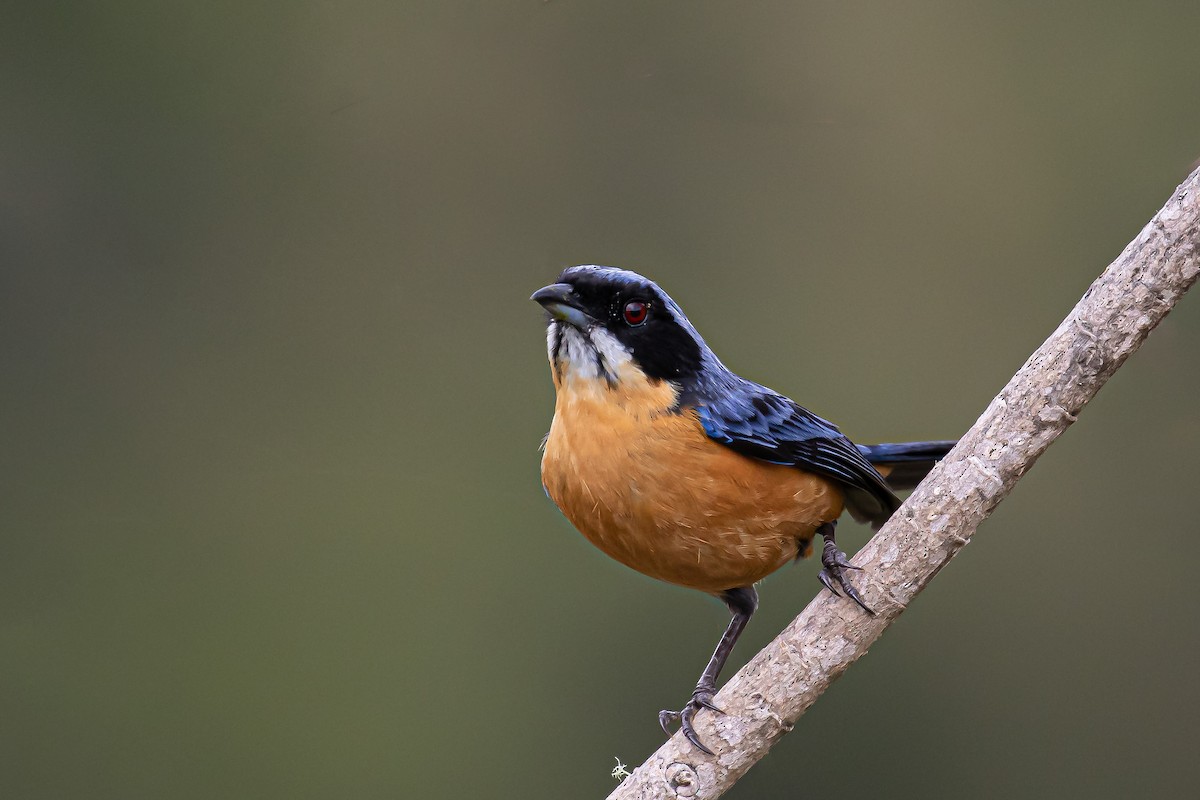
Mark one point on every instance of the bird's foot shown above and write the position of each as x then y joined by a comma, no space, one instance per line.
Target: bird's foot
833,576
701,698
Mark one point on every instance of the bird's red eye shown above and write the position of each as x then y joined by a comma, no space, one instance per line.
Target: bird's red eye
636,312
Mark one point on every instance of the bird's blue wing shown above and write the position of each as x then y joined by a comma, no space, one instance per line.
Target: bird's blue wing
763,424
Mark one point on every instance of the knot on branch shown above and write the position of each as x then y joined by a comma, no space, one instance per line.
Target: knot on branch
682,779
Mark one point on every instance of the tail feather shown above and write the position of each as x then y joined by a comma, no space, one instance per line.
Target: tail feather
904,465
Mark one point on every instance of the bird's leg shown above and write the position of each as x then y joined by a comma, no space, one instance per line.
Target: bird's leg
835,563
741,602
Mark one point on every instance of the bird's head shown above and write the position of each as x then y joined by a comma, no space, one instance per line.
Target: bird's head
613,325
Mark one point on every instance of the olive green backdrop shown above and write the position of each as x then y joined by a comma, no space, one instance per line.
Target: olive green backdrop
272,390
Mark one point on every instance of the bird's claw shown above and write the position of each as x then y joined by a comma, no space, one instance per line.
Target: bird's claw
833,576
701,698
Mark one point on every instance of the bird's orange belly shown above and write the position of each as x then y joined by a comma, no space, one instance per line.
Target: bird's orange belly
654,492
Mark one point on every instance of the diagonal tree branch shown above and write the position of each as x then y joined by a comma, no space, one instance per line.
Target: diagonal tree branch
764,700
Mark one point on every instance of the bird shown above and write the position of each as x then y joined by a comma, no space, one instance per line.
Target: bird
677,467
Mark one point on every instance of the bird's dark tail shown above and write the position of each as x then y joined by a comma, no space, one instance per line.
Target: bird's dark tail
904,465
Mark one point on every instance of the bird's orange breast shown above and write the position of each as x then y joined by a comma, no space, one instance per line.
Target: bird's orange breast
649,488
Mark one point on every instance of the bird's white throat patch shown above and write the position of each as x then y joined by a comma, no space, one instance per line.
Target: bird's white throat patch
588,355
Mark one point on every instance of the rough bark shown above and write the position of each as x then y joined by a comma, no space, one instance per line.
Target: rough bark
764,700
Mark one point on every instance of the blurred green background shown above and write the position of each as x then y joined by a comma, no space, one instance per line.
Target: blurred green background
272,388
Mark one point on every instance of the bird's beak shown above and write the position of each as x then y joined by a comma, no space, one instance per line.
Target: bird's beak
561,302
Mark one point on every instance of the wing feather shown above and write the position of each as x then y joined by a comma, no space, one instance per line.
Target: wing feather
762,424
